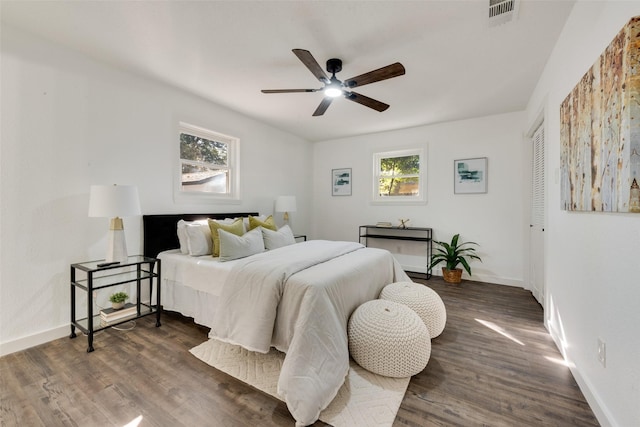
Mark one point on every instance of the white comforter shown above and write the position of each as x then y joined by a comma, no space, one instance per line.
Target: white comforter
299,299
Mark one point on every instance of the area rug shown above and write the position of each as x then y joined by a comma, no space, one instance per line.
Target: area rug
365,399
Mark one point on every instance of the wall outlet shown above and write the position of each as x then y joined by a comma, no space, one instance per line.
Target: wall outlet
602,352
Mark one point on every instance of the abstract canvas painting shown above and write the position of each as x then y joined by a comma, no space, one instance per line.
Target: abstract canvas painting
341,182
470,176
600,131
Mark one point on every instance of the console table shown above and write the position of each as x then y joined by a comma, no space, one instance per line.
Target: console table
414,256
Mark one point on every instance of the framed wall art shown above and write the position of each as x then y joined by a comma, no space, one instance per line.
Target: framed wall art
341,182
600,131
470,176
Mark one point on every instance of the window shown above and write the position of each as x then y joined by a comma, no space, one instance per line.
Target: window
208,163
398,177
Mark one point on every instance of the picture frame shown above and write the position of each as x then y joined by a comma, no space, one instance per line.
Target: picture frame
341,182
470,175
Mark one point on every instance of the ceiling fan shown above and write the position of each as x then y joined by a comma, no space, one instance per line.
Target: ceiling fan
334,87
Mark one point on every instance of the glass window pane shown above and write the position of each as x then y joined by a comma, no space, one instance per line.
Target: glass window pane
203,150
400,177
405,165
390,187
197,178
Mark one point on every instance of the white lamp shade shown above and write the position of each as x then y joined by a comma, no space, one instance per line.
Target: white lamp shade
286,204
114,201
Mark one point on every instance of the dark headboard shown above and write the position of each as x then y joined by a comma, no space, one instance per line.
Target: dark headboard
160,231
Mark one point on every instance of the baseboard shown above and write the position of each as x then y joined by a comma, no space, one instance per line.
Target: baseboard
604,416
33,340
518,283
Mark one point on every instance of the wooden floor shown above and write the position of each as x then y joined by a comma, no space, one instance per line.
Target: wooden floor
494,365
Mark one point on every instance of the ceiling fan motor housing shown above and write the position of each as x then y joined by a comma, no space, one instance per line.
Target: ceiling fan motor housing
334,65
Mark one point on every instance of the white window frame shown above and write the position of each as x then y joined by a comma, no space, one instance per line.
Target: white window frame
233,166
420,198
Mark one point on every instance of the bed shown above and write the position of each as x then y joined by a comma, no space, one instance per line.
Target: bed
296,298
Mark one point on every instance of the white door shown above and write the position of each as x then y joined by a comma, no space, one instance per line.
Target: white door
536,225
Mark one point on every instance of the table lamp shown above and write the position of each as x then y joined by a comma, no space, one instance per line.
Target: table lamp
286,204
114,201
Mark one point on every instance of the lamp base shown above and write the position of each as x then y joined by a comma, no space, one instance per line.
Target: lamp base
116,243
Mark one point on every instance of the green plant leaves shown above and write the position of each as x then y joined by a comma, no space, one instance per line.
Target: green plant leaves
119,297
454,253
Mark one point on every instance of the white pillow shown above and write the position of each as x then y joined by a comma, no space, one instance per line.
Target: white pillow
182,233
277,239
199,239
234,247
182,236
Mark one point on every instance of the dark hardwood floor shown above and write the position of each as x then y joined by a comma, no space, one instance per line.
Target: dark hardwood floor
494,365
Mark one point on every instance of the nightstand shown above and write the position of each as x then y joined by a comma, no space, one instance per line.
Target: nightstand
90,277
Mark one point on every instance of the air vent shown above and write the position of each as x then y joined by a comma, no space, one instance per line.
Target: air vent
502,11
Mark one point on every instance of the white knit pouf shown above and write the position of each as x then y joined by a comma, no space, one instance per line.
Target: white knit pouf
388,339
421,299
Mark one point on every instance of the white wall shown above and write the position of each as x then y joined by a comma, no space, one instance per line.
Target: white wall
592,259
494,220
69,122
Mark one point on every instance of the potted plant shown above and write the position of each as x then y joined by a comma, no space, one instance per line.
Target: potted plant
452,254
118,299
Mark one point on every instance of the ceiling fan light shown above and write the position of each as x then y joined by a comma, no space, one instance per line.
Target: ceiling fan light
332,92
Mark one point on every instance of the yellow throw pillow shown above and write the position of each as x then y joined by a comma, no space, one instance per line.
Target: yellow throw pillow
236,227
268,223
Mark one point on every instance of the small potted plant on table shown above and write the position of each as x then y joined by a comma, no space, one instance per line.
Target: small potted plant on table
452,254
118,299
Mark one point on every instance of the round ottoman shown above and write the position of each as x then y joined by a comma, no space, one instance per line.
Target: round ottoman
388,339
421,299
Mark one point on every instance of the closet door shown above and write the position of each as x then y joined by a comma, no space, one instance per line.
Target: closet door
536,224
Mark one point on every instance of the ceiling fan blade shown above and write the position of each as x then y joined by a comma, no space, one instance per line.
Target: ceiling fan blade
366,101
288,90
310,62
393,70
323,106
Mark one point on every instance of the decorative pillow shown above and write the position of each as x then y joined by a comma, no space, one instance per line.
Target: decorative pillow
234,247
246,221
198,239
267,223
277,239
236,227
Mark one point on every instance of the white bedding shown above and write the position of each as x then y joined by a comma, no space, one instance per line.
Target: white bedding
203,273
298,299
313,292
192,285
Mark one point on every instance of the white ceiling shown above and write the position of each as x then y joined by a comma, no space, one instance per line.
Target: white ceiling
226,51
